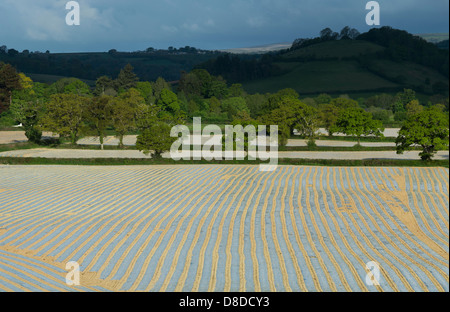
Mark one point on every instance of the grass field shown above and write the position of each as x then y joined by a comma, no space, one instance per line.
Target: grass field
321,76
342,49
223,228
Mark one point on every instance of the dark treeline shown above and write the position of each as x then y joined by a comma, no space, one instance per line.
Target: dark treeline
150,64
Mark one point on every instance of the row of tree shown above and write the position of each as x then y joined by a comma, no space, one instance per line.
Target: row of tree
126,105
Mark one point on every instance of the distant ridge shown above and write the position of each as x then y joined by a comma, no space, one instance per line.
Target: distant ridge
434,38
260,49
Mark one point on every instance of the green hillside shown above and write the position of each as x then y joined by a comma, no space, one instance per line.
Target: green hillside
335,49
320,77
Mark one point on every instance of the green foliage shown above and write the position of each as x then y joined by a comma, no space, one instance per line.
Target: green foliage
428,129
155,138
66,116
104,86
357,122
168,101
126,79
329,114
9,81
146,91
234,105
124,111
98,114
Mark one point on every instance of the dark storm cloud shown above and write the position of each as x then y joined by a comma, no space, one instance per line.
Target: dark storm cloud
211,24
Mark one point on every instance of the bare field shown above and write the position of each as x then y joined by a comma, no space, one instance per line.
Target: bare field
223,228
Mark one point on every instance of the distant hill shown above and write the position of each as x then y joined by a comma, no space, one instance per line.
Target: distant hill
259,49
434,38
381,60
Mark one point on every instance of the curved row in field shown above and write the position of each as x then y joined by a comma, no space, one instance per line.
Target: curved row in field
224,228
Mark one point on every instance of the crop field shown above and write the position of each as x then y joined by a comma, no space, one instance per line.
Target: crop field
224,228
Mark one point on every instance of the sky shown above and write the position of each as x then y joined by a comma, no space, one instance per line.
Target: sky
132,25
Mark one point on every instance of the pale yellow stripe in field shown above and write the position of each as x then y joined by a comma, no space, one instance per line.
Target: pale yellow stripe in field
138,279
439,195
330,234
298,271
215,260
41,282
297,235
344,240
186,232
336,266
357,238
278,251
182,279
188,258
429,212
227,287
433,203
13,283
186,214
25,212
24,281
50,261
2,285
270,274
392,243
408,219
311,242
422,217
123,212
443,177
243,280
175,195
380,243
137,207
57,216
253,232
81,219
174,187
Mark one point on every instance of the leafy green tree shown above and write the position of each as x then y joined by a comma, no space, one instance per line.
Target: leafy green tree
218,88
28,107
159,85
402,99
155,139
65,115
215,106
9,81
168,101
234,105
255,103
190,84
104,86
328,114
236,90
126,79
98,113
274,100
428,129
146,91
323,99
70,86
344,103
413,108
307,122
357,122
124,109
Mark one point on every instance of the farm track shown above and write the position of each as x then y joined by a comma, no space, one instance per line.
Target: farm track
224,228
